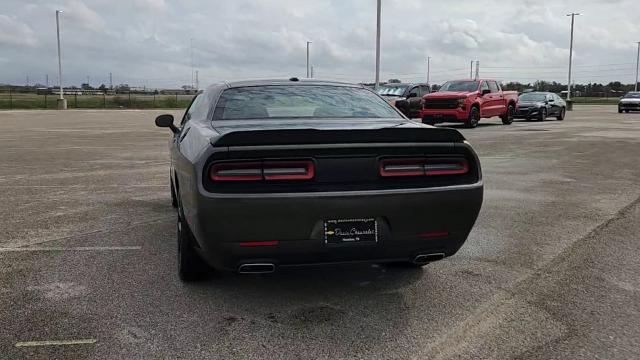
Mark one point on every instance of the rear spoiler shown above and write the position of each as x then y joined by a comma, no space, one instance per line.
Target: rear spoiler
314,136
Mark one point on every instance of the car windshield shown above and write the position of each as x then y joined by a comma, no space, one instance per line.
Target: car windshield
467,86
392,90
301,101
632,95
533,97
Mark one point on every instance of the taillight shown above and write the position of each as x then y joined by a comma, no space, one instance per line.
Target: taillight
399,167
263,170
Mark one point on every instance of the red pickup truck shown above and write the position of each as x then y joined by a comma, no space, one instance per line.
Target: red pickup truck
467,101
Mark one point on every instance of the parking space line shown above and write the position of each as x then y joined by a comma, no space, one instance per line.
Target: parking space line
75,248
56,342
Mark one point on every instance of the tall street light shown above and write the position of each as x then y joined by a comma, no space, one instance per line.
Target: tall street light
308,43
62,102
573,15
637,66
378,46
428,68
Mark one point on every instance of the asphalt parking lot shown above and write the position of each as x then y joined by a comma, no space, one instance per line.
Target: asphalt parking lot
87,255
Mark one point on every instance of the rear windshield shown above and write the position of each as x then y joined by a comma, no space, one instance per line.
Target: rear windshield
301,101
466,86
392,90
533,97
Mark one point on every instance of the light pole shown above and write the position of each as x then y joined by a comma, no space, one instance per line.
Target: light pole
637,66
573,15
62,102
378,45
191,55
308,43
428,68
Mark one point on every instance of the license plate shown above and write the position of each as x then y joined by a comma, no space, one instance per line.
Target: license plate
344,231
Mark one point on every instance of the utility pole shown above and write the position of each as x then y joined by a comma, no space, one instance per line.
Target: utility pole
428,68
111,81
379,10
637,66
197,81
62,103
477,70
573,15
191,52
471,73
88,81
308,74
27,80
47,81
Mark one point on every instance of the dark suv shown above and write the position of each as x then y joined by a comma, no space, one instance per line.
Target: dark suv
413,93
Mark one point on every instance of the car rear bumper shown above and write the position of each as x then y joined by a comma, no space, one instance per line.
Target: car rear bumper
444,115
410,222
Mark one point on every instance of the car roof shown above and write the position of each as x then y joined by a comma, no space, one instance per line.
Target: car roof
283,82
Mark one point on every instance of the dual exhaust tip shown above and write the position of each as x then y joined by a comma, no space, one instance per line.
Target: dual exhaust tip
423,259
267,268
257,268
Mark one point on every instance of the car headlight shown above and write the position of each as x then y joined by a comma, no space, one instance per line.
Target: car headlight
461,102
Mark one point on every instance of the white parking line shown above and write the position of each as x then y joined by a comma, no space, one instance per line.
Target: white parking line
76,248
55,342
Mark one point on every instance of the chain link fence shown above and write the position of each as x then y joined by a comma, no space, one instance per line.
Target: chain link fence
11,99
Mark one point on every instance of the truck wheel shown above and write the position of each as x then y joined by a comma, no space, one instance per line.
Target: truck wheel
507,119
542,115
562,114
619,110
474,118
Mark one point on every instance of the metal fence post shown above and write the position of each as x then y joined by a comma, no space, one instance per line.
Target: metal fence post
129,98
176,98
45,101
10,99
154,99
104,100
76,99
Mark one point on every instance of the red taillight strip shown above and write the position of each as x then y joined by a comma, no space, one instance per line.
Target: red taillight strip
289,170
259,243
250,171
434,234
265,170
399,167
446,167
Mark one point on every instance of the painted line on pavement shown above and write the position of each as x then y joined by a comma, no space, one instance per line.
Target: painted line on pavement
56,342
76,248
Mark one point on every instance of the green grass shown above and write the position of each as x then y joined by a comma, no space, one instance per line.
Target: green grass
120,101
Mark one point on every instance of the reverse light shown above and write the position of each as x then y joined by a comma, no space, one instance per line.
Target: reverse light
402,167
263,170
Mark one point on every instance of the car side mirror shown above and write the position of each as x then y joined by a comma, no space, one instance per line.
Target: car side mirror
166,120
412,95
485,92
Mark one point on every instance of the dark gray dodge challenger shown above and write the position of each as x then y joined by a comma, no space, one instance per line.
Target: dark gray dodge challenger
285,173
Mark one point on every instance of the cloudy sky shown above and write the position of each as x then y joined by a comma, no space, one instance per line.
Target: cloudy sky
147,42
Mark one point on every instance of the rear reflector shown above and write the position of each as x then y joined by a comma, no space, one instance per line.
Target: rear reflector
434,234
398,167
264,170
259,243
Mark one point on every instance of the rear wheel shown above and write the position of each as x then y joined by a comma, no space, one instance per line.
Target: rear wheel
626,111
619,111
561,114
174,199
474,118
191,267
542,114
507,118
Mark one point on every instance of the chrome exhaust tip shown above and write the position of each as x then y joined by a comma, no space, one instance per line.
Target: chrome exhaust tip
259,268
428,258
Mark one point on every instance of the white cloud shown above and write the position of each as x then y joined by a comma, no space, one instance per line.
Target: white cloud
79,14
14,32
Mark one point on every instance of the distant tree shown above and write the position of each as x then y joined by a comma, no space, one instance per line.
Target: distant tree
123,87
86,86
102,87
394,81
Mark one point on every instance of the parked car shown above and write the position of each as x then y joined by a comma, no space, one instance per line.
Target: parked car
274,174
468,101
540,106
629,102
412,93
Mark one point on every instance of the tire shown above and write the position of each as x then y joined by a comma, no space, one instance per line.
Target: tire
474,118
562,114
626,111
507,119
191,267
542,115
174,199
619,111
